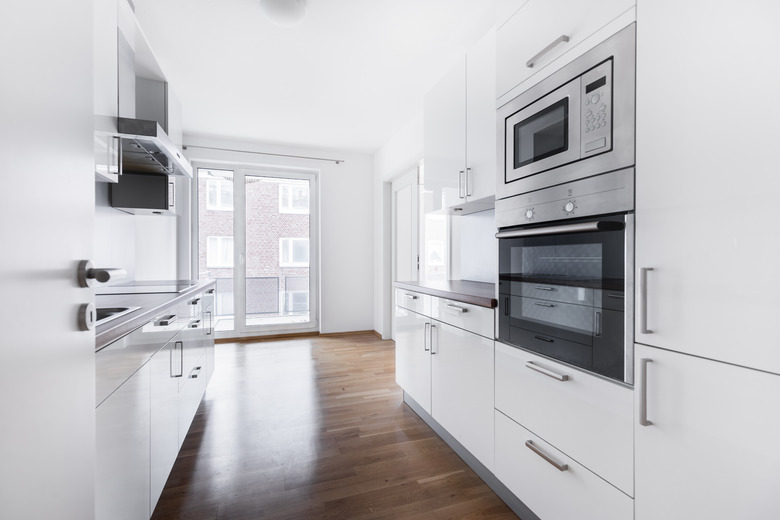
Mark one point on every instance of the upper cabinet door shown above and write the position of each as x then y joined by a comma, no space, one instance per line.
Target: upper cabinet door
533,30
445,138
706,182
481,118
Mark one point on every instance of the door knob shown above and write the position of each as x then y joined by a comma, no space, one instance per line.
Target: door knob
88,274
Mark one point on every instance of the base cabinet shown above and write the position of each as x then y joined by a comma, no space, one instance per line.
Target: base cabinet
711,448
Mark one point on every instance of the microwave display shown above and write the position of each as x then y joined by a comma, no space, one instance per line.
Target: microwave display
542,135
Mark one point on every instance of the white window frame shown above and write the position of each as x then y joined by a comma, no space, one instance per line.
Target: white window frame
219,204
290,262
286,200
220,243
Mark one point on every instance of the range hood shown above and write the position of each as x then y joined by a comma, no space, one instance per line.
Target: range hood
147,148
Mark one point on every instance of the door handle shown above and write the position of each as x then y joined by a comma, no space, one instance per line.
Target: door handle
88,274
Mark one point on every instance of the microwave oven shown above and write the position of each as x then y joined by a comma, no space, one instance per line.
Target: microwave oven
576,123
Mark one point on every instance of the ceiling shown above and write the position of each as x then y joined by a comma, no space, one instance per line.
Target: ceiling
350,76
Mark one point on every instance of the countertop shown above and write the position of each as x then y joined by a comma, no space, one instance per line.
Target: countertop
466,291
151,305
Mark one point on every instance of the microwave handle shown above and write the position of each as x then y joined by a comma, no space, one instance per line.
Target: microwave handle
600,225
561,39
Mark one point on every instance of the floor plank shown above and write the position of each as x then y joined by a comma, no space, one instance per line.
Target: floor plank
316,428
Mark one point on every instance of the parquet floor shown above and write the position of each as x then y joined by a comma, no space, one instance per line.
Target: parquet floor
315,428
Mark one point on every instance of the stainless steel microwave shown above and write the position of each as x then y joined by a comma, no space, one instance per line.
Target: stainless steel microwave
576,123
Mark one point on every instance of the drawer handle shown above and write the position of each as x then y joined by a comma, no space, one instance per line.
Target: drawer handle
210,291
531,446
456,308
195,373
167,320
541,288
195,324
542,338
620,296
411,296
547,372
195,301
540,304
561,39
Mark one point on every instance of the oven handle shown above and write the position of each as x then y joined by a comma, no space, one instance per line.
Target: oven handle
584,227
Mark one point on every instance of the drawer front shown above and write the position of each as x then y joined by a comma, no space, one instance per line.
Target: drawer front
414,301
555,293
584,416
576,318
473,318
549,491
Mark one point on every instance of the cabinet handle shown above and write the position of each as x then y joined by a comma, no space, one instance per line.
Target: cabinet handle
531,446
426,335
177,349
643,300
643,392
210,291
506,306
195,373
461,191
437,343
540,304
542,288
598,324
561,39
546,371
167,320
195,301
456,308
209,329
468,184
411,296
195,324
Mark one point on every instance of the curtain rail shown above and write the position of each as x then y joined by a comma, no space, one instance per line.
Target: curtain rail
337,161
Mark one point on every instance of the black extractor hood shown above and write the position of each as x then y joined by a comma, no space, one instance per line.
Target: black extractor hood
147,148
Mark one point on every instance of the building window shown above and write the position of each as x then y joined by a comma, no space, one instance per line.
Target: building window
294,198
293,252
296,301
219,195
219,252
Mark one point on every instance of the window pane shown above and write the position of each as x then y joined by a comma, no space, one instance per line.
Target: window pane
301,251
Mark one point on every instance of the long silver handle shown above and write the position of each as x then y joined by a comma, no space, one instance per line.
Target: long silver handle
433,327
643,300
560,39
461,191
468,184
177,350
602,225
540,304
543,288
210,329
560,467
456,308
643,392
426,336
547,372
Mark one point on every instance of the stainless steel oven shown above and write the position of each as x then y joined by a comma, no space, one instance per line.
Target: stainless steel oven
576,123
565,273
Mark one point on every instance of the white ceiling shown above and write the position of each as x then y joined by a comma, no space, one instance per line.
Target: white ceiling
348,77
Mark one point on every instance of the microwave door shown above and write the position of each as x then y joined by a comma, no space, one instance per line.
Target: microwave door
545,134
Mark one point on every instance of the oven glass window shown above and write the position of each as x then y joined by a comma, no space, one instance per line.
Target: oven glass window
542,135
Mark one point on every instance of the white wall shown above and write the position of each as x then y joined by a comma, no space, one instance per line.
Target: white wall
346,202
475,247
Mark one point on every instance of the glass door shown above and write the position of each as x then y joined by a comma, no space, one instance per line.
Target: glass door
259,248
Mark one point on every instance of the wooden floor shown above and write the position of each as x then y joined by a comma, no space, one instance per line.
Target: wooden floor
315,428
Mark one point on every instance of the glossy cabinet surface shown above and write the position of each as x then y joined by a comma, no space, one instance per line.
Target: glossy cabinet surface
705,197
587,417
164,414
412,355
712,448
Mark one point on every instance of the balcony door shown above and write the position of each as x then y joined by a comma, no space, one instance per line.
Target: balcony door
256,237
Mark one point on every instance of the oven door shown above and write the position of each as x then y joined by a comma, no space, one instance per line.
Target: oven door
563,293
543,135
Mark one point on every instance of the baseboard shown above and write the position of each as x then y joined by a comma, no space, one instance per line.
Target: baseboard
509,498
293,335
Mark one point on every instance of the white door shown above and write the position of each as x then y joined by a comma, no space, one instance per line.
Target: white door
47,365
712,448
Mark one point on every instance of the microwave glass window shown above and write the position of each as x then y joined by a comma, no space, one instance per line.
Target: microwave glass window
542,135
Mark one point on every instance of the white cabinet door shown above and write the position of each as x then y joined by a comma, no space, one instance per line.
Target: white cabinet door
540,23
712,448
122,451
164,414
462,388
481,118
706,181
445,138
412,355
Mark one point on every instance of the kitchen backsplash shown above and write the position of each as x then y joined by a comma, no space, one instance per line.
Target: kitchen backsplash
474,247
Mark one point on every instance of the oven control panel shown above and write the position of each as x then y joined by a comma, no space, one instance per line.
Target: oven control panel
596,106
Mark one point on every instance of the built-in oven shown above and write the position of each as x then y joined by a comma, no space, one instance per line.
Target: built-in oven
565,273
575,123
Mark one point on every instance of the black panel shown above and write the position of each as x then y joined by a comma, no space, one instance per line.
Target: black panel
140,190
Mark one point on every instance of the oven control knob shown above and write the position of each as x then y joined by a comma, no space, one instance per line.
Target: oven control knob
529,213
569,207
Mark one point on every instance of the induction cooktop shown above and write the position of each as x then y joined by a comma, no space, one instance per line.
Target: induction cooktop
145,287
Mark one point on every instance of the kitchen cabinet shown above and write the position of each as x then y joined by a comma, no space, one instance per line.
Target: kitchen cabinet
122,451
529,44
164,413
446,366
460,130
710,448
584,416
706,195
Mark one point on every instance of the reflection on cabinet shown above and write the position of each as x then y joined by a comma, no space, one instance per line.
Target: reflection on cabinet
543,36
712,245
460,130
710,448
164,443
447,367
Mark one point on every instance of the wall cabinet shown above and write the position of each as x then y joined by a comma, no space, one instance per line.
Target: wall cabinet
460,130
447,367
705,197
529,43
711,448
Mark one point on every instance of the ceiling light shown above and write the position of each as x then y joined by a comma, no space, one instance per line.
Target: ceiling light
284,12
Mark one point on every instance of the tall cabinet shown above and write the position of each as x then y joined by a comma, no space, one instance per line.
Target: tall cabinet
707,243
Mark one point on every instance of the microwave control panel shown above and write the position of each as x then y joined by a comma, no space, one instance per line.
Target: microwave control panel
596,95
